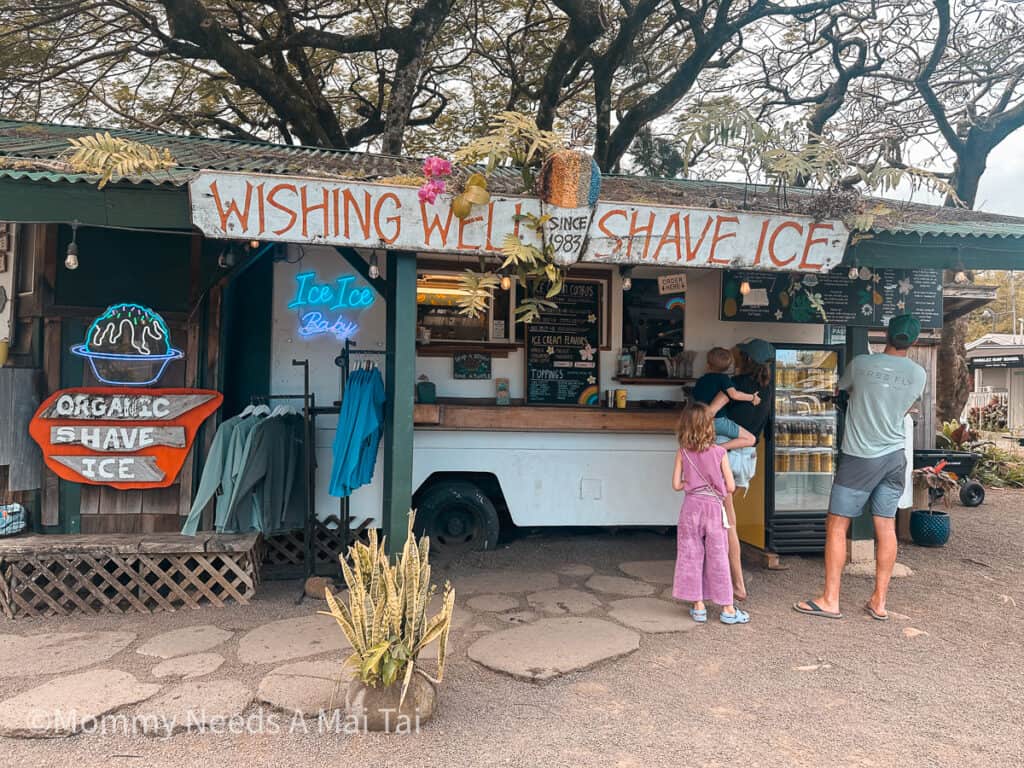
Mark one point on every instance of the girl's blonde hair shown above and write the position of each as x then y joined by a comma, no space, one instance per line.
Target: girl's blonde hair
696,428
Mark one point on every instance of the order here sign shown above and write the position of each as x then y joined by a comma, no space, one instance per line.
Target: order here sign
368,215
122,437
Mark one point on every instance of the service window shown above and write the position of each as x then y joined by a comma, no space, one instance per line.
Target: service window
438,316
652,321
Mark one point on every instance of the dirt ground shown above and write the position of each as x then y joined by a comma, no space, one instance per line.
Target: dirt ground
787,690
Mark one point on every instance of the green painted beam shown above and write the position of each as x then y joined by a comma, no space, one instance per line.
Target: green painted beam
919,252
72,370
145,206
399,382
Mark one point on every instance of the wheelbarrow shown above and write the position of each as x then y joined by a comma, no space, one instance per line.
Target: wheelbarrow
960,464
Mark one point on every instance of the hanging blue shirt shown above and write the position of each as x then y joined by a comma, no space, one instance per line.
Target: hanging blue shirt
358,434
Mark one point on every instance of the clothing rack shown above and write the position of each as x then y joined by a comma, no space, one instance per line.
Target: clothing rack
344,362
309,413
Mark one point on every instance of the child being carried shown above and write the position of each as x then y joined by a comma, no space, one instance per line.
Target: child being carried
716,380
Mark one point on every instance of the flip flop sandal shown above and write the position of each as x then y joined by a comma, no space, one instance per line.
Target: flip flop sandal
815,610
875,614
701,616
740,617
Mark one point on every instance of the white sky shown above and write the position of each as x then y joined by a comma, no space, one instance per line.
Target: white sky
1002,186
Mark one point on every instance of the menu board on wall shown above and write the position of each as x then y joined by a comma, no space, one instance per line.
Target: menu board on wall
562,348
867,301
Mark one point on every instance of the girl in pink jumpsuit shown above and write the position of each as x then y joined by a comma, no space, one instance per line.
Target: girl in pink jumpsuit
702,537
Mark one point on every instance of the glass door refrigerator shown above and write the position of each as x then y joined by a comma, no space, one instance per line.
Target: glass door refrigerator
806,433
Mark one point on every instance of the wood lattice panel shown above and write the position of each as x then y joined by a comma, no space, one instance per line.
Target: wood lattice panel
59,578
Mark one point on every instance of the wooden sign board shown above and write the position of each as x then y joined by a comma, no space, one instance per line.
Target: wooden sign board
263,207
124,438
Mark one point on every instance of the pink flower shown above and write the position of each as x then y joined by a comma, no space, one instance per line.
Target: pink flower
428,192
436,166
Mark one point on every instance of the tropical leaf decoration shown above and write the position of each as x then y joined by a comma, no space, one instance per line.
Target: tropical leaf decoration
385,617
477,292
513,139
105,156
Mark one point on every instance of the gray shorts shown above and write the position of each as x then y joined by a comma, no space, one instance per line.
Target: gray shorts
860,482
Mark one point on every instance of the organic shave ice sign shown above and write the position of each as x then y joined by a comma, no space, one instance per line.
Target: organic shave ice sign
367,215
123,435
326,308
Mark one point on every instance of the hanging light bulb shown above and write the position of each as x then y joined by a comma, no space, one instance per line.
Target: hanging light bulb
506,283
254,244
374,271
853,273
627,278
744,288
71,260
960,277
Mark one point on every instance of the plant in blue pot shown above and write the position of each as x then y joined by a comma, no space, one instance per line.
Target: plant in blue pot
930,527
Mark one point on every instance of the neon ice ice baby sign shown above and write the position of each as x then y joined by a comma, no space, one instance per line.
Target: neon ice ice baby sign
320,305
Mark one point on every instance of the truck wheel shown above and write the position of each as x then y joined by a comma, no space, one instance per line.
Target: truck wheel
972,493
457,516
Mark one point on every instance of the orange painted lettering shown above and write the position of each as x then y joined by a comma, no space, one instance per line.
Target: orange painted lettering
308,209
811,241
463,223
671,226
691,253
272,199
609,234
636,230
760,242
771,242
395,221
719,237
232,208
489,246
433,222
351,204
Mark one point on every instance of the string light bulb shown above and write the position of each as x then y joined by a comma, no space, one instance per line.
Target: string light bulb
627,279
254,244
960,277
853,273
744,288
374,270
506,283
71,260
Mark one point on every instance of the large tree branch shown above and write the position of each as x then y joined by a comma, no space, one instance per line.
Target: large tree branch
586,24
923,80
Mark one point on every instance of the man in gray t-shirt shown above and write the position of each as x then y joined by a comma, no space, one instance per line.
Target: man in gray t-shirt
872,462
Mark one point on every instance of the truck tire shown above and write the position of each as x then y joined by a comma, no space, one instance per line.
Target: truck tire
458,517
972,493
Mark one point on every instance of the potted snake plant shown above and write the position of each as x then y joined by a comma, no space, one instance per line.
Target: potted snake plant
385,620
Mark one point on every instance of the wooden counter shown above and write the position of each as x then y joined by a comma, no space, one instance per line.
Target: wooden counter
525,418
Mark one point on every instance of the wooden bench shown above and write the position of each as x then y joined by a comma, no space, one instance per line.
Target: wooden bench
121,573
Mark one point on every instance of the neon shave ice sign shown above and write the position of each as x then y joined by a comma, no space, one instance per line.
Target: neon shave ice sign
322,306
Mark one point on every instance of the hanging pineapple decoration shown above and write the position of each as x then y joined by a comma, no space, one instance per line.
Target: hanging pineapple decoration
569,178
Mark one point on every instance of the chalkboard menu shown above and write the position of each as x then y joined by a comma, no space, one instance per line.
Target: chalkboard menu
867,301
471,365
562,348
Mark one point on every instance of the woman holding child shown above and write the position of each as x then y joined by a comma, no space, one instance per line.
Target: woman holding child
741,406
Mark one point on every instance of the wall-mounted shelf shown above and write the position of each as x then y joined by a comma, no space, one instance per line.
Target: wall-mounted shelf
651,380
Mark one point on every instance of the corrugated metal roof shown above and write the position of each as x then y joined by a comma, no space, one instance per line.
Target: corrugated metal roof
31,151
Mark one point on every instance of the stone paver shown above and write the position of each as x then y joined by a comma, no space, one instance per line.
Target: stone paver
654,571
867,570
577,571
194,706
305,687
30,655
70,703
493,603
291,639
517,617
649,614
619,585
505,582
553,647
562,602
188,667
184,641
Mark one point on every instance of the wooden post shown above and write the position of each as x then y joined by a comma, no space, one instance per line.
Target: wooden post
862,528
400,382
